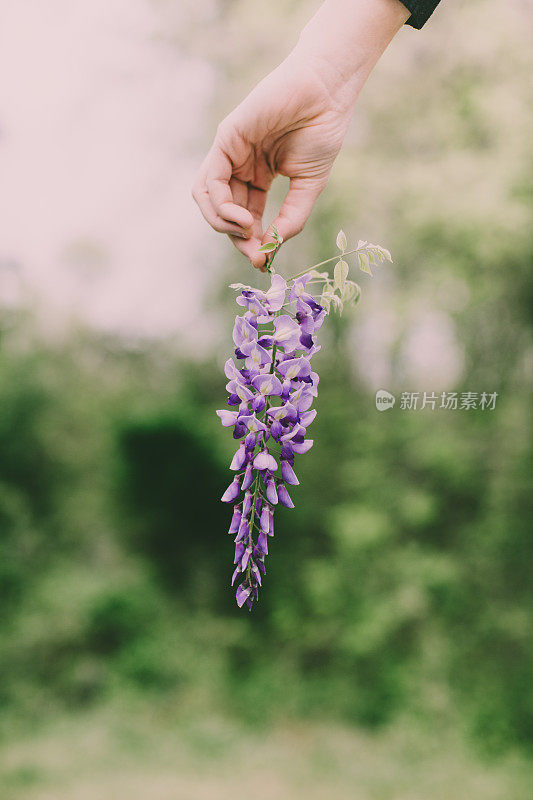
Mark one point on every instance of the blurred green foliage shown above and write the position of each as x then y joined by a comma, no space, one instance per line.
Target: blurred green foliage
400,583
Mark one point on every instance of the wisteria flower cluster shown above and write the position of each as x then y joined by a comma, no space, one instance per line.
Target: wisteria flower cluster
271,392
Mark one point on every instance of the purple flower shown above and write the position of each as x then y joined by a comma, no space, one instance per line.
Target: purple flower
283,496
275,296
244,334
288,474
303,447
227,418
264,461
267,385
276,349
271,493
298,290
256,356
239,458
243,592
264,522
287,333
235,520
295,368
248,476
232,492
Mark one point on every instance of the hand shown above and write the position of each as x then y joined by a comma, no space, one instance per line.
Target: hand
293,124
288,125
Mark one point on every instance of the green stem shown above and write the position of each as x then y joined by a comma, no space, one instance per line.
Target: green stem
268,262
252,518
327,261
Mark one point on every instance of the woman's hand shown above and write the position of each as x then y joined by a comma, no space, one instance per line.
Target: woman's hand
288,125
293,124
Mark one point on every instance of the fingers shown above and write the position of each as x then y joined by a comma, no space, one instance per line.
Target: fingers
218,223
296,208
249,248
254,199
218,176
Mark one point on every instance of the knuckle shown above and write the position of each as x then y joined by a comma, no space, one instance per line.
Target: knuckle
225,134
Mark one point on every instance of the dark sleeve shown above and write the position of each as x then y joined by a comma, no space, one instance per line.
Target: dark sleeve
421,10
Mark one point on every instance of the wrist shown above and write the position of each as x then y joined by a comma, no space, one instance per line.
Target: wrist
345,39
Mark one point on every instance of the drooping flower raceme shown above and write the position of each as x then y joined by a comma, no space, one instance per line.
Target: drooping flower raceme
270,393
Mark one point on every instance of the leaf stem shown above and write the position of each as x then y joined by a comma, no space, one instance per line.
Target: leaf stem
327,261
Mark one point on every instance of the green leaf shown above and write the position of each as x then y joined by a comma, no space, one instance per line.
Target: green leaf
275,234
341,241
326,299
337,302
352,293
340,274
268,247
364,263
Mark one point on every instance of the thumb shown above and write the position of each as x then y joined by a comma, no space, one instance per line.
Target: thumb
296,208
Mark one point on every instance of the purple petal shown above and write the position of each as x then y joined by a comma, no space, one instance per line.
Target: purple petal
247,504
231,492
276,429
267,384
275,295
287,452
248,477
246,557
249,442
287,333
288,474
227,418
271,493
244,530
235,520
256,574
239,458
284,497
243,332
264,522
257,357
239,552
239,430
264,461
262,543
302,448
258,403
294,367
307,417
243,593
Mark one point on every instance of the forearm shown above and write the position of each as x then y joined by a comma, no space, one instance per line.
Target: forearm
346,38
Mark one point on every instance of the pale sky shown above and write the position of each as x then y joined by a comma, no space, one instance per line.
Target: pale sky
103,121
99,139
